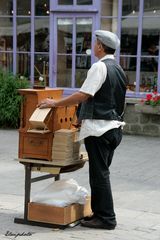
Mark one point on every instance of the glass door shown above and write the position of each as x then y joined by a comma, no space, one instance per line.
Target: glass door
73,47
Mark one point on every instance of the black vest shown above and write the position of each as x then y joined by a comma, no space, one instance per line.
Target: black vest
108,102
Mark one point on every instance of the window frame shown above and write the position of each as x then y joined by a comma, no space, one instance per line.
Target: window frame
54,6
54,54
139,55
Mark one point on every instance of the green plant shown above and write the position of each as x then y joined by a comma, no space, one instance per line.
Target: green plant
10,100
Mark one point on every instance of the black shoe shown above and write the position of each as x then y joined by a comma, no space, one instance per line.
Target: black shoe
97,223
88,218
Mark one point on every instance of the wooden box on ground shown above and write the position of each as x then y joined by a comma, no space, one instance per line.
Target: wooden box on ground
58,215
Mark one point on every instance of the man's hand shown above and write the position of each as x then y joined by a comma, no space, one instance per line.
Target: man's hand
75,98
47,103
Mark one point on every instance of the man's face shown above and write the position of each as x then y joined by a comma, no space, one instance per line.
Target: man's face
96,48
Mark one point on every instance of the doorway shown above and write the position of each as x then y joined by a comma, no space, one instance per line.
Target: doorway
73,48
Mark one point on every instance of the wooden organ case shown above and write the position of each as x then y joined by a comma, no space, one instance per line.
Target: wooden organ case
39,145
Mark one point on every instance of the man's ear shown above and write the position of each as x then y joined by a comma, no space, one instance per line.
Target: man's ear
100,46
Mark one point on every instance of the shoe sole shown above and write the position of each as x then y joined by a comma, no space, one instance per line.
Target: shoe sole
97,227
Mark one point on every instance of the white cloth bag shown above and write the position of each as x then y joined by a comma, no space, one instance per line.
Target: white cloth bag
62,193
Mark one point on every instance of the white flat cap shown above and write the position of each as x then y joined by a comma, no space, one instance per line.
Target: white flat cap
109,39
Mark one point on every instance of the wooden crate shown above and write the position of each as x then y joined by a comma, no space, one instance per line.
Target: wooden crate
52,119
63,117
31,97
58,215
35,145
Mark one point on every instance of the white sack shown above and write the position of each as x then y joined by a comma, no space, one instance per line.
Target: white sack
62,193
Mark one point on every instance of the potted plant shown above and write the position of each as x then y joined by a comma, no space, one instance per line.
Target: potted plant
150,104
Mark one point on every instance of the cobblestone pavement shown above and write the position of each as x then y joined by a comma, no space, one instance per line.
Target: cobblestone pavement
135,183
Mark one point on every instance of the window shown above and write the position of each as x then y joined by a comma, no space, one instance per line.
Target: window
83,43
149,54
109,24
109,8
6,7
23,64
23,34
6,42
84,2
6,35
152,7
65,48
75,2
30,56
136,22
65,2
42,7
128,51
73,50
41,34
138,54
41,68
130,8
24,7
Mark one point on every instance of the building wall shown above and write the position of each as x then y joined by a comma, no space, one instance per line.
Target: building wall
26,28
139,123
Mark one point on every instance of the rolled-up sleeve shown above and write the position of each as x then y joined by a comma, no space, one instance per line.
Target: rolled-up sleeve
95,78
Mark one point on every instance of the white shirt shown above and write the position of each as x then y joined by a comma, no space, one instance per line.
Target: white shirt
96,76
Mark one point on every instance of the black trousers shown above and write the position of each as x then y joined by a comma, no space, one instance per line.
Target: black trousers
100,152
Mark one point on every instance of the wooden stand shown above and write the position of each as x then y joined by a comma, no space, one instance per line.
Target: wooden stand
35,148
53,171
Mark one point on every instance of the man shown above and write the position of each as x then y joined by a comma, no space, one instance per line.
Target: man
102,96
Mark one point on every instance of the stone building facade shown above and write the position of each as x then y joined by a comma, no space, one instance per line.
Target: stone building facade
139,123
